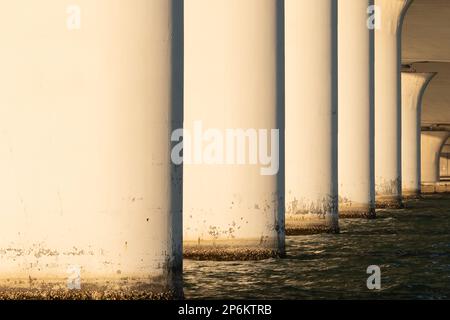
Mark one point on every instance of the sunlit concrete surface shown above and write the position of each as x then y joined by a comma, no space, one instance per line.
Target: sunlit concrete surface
311,116
354,120
388,184
86,178
232,211
356,110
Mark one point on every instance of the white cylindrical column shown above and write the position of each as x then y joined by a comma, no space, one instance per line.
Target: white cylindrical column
232,175
311,116
413,88
356,110
88,206
388,165
432,142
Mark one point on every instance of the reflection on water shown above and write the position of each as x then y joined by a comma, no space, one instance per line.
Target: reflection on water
411,246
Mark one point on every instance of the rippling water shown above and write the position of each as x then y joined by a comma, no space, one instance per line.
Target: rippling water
411,246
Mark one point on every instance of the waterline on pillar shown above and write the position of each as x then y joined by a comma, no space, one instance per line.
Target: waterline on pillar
388,195
113,288
305,218
353,210
307,224
233,199
233,250
411,194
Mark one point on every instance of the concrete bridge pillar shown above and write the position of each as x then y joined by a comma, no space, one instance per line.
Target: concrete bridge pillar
388,184
233,206
91,204
413,89
356,110
311,116
432,143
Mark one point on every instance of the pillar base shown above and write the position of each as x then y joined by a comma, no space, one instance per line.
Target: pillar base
307,224
388,202
356,211
435,187
114,290
428,188
245,250
443,187
411,194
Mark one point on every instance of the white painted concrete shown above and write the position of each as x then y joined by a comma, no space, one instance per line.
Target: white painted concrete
388,103
85,145
432,143
413,89
311,116
356,110
444,162
231,211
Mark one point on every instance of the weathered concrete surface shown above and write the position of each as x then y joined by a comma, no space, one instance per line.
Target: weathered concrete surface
311,223
414,85
388,184
87,184
231,81
356,111
311,116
